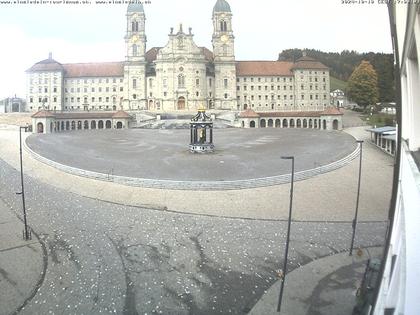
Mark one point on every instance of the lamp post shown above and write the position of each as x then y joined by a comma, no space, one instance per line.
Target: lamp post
26,232
283,275
360,142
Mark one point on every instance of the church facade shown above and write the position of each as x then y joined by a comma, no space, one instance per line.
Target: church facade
180,76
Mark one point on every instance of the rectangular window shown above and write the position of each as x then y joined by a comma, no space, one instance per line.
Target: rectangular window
55,89
197,82
237,88
121,89
134,83
100,89
226,96
107,89
100,99
252,88
72,99
55,99
93,99
210,82
78,100
114,89
114,80
93,89
78,90
46,90
85,89
266,88
225,83
244,87
72,90
107,99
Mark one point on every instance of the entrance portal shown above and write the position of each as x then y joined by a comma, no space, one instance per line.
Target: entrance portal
181,103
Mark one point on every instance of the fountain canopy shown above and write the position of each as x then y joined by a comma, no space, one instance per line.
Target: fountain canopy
201,128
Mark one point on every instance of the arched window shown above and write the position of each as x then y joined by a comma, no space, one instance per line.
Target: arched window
134,50
224,26
181,81
134,26
221,26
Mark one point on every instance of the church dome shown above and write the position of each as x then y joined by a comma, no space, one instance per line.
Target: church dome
221,6
135,7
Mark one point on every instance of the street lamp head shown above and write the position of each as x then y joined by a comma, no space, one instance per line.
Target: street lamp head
287,157
359,141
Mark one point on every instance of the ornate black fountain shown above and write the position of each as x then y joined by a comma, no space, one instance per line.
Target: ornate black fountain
201,127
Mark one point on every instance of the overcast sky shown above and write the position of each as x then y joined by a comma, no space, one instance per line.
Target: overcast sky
262,29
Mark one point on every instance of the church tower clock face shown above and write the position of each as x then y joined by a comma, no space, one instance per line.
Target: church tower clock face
224,38
134,38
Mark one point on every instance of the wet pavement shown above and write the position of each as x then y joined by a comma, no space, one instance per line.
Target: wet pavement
163,154
108,258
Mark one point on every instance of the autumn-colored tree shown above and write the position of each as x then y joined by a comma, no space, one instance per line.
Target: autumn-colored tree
362,86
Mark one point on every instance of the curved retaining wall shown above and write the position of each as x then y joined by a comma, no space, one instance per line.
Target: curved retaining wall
198,185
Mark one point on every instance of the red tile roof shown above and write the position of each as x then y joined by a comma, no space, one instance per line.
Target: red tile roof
121,114
151,54
291,114
309,63
43,114
331,111
46,65
248,113
264,68
98,69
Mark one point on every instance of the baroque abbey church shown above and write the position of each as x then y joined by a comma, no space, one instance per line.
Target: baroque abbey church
179,76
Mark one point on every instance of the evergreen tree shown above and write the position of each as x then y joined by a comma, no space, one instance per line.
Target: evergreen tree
362,86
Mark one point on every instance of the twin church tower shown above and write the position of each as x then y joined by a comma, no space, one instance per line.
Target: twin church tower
180,75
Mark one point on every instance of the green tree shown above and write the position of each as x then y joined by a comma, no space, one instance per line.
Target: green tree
362,86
